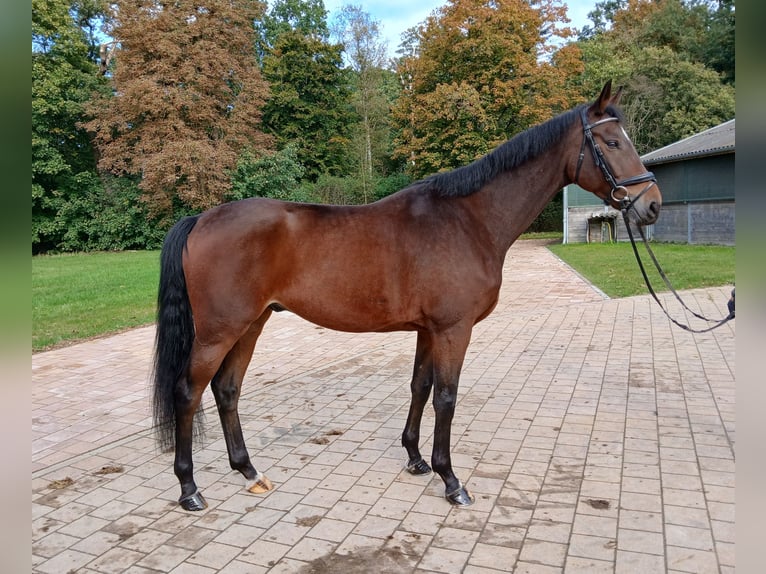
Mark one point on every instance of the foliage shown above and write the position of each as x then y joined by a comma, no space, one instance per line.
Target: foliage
551,218
63,78
366,56
475,74
352,190
389,184
308,17
672,98
185,118
718,48
103,214
276,175
188,95
309,101
660,52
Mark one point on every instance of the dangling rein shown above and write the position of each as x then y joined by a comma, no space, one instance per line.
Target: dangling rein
718,322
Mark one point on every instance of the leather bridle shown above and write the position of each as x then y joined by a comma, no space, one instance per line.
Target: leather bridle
624,202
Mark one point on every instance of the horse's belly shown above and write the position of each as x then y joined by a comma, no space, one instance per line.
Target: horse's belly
359,311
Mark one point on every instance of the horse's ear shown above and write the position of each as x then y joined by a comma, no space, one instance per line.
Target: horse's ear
599,106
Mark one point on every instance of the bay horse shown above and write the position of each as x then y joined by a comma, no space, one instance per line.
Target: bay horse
427,258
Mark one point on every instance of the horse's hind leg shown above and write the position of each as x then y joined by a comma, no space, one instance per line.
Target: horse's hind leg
226,386
204,361
422,381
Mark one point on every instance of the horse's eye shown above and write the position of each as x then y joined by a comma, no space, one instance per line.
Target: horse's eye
612,144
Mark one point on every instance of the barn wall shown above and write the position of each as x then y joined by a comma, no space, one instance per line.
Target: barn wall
709,222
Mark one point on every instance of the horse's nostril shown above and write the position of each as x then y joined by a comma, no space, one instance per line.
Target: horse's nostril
654,207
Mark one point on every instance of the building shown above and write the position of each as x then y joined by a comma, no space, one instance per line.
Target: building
696,176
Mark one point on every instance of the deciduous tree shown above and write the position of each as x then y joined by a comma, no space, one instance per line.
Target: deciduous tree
187,98
661,52
308,102
488,64
64,75
366,56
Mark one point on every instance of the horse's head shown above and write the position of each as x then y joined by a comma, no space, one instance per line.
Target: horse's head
608,164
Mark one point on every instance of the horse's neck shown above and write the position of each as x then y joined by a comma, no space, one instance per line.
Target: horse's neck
513,200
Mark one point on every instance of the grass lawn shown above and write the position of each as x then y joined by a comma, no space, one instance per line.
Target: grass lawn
86,294
612,267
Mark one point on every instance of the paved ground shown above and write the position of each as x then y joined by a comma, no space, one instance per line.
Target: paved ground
595,436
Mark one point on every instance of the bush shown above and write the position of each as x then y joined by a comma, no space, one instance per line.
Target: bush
551,218
276,175
391,184
104,215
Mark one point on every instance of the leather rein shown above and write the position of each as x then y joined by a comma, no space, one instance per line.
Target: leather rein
626,203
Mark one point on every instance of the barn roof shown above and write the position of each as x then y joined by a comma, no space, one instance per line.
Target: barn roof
714,141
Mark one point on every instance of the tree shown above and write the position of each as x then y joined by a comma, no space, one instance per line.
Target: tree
276,175
657,50
309,95
670,98
64,75
718,46
602,16
489,66
308,17
187,99
366,56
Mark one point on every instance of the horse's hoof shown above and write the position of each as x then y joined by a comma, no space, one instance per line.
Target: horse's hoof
460,496
418,467
260,485
193,502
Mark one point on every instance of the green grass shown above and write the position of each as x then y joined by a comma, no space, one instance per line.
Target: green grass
87,294
612,267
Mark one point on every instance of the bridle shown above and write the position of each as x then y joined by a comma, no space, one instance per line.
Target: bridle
626,203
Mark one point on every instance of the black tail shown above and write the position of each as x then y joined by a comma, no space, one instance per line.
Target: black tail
175,331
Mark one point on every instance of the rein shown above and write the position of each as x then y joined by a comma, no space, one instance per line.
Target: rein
626,203
718,322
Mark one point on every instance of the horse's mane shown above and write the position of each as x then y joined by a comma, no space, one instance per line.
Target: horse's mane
516,151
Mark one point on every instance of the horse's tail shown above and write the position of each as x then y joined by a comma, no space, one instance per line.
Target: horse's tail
175,331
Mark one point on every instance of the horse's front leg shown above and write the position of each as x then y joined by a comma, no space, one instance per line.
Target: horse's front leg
422,381
449,351
226,386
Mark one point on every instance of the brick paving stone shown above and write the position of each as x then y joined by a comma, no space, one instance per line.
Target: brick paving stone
443,560
639,563
595,436
540,552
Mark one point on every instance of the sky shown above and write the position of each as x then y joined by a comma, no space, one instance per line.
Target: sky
396,16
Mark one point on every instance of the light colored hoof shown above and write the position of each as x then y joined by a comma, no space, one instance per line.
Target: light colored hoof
260,485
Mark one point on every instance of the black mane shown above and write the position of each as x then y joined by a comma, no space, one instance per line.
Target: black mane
516,151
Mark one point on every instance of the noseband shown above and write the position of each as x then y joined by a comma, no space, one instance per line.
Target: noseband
624,202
